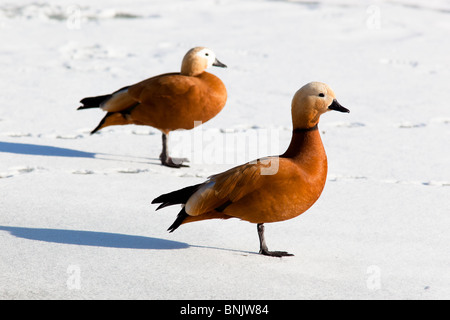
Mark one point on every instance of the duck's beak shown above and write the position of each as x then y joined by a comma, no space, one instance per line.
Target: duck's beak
217,63
337,107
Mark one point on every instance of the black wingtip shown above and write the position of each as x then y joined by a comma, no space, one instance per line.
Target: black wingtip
156,200
102,122
171,229
85,106
178,221
163,205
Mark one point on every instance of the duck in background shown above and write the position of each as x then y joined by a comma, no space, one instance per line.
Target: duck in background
167,102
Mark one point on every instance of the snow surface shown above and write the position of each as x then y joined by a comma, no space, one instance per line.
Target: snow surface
75,214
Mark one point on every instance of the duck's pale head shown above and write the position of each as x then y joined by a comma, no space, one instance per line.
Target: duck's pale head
310,102
198,59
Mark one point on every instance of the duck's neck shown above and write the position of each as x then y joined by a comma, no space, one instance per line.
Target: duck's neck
306,147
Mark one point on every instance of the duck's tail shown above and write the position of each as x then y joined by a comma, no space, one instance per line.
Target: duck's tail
176,197
94,102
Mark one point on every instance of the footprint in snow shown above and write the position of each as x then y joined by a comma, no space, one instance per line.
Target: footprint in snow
400,62
13,171
410,125
83,172
342,124
441,120
338,177
130,170
18,134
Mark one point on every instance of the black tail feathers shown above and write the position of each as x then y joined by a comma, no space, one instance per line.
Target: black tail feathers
176,197
94,102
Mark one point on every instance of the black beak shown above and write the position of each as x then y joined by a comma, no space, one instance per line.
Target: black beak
217,63
337,107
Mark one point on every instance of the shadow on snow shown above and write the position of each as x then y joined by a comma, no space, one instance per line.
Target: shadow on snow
40,150
93,238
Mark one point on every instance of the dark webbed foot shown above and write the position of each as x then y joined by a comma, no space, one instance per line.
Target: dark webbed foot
263,247
278,254
174,162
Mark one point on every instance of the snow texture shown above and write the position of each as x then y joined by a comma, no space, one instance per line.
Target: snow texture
75,215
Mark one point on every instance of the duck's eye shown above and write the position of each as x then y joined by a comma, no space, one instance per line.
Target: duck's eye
321,95
207,54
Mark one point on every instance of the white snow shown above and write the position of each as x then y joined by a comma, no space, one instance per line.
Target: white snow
75,214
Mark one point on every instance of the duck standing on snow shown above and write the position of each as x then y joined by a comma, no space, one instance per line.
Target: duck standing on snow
269,189
167,102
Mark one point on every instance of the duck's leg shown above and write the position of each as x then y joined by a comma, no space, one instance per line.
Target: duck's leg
166,160
263,246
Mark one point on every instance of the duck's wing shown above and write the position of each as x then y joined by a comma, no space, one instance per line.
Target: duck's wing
158,90
230,186
115,102
163,89
119,101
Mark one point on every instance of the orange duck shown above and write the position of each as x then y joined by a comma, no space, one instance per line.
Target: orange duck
269,189
168,101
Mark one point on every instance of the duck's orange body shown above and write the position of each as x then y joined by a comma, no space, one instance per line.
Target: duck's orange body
270,189
168,102
296,183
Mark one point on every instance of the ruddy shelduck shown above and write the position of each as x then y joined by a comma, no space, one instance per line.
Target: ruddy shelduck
270,189
168,102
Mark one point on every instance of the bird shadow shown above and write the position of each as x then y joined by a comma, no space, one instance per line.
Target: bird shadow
105,239
51,151
42,150
93,238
